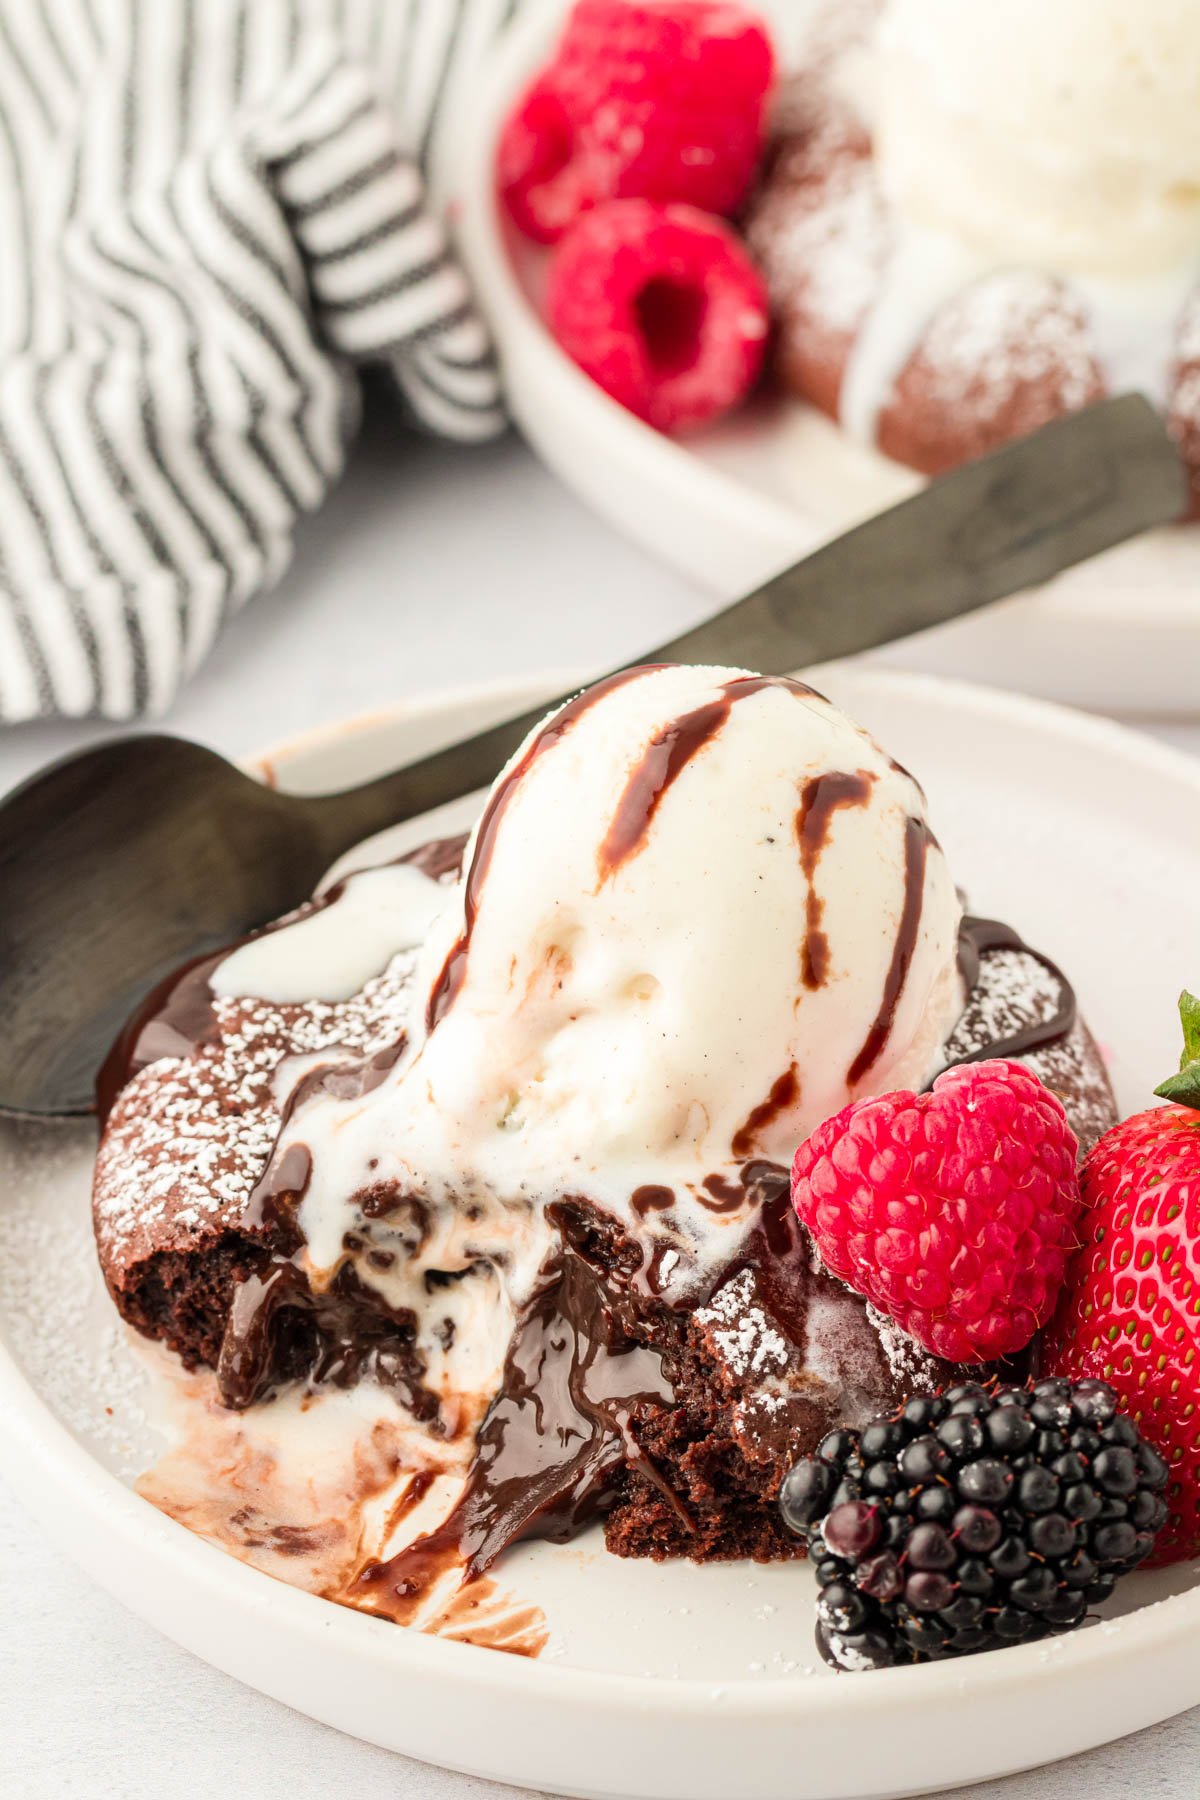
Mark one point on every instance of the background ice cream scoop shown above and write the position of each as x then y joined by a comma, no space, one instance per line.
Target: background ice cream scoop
1061,133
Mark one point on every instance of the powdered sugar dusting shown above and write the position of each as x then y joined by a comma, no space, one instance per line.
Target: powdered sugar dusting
1013,329
1016,989
846,1655
843,1350
741,1332
905,1357
189,1138
820,233
819,229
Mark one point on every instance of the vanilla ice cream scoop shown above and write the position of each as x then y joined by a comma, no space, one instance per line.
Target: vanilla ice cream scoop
1058,133
701,910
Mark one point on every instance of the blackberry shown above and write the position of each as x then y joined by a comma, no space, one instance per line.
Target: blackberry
972,1519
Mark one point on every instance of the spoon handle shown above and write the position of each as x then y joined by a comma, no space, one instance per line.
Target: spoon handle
990,529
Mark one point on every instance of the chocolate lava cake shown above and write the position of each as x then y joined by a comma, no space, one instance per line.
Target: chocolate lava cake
676,1423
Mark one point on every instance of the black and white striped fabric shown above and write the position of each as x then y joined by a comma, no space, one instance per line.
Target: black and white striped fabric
212,212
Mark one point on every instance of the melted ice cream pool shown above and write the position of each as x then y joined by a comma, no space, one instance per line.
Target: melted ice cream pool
313,1486
334,951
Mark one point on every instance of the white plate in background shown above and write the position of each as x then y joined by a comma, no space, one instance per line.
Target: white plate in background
734,504
665,1683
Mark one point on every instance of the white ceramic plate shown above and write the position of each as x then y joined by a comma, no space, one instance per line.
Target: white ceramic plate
735,504
673,1683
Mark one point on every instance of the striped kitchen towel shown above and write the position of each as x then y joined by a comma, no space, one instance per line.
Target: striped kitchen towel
212,215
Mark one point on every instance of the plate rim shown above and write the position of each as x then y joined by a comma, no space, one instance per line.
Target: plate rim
41,1456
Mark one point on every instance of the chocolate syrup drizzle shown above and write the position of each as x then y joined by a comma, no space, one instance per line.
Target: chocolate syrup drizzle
662,762
784,1094
819,800
577,1370
917,839
174,1019
665,758
651,1198
446,988
279,1327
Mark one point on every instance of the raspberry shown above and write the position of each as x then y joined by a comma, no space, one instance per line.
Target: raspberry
1130,1311
662,307
973,1519
641,102
952,1211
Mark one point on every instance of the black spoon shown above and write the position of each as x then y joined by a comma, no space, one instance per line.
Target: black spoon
120,862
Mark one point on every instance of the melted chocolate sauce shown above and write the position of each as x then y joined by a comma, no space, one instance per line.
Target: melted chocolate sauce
651,1198
272,1206
916,847
284,1181
412,1497
658,1270
577,1369
174,1019
446,988
279,1326
784,1093
778,1250
388,1200
975,938
820,799
177,1017
665,758
743,687
346,1080
720,1195
662,762
439,857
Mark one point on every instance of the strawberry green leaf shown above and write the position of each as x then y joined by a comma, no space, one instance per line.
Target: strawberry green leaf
1185,1087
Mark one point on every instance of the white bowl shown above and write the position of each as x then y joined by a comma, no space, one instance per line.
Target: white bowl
731,506
667,1683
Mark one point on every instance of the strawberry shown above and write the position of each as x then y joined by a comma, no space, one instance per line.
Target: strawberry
1130,1310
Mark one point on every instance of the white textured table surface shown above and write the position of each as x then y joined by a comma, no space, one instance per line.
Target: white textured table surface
430,567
